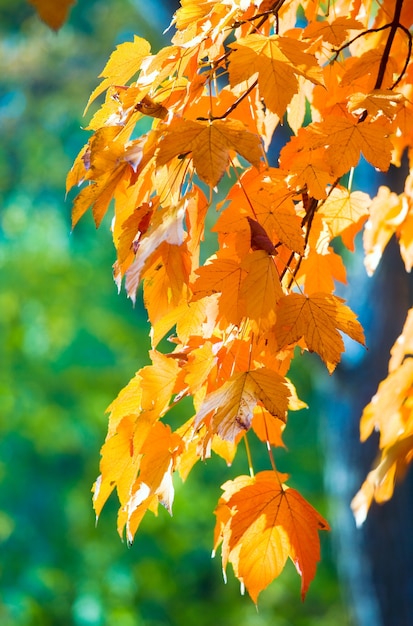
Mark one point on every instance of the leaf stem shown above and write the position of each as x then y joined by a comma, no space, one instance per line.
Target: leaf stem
271,455
249,457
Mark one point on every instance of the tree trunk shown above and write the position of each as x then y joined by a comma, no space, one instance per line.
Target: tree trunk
376,561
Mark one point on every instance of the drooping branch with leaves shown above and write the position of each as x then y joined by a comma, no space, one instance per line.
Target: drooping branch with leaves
185,133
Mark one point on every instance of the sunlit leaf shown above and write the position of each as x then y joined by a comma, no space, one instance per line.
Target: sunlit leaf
262,522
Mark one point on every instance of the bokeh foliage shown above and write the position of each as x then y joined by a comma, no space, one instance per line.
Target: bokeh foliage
69,343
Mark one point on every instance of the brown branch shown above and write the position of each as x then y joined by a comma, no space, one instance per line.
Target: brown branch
386,54
264,15
363,34
409,54
310,211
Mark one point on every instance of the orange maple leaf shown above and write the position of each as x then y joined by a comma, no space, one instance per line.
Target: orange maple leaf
267,427
318,318
261,522
229,409
320,271
210,144
166,280
167,225
263,196
158,459
305,165
334,32
277,60
347,140
261,288
222,276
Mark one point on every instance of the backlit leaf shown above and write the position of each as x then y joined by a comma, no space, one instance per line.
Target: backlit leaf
231,406
263,523
123,64
210,144
318,319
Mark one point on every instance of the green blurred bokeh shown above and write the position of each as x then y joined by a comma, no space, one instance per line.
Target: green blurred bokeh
69,344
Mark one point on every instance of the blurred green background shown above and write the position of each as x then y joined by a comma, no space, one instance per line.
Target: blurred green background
69,344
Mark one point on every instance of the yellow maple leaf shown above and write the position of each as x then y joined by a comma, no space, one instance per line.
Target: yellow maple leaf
344,213
123,64
387,212
277,60
380,482
191,11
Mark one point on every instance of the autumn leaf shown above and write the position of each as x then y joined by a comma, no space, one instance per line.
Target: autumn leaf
380,482
318,319
344,213
403,346
319,271
305,165
347,140
261,288
262,523
387,212
159,455
267,427
123,64
167,226
53,13
166,280
210,144
230,408
222,276
259,237
118,466
334,32
190,11
277,60
263,197
379,101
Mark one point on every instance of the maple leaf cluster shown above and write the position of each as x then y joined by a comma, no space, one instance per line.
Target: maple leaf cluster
177,126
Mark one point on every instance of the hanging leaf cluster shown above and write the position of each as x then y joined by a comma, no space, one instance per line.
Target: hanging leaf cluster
182,139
